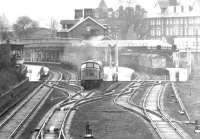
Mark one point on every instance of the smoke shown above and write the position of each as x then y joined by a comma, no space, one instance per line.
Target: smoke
94,41
77,53
96,38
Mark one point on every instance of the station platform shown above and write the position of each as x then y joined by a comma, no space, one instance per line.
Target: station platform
124,73
33,72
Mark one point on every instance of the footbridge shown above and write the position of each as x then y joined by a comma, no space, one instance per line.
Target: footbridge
136,54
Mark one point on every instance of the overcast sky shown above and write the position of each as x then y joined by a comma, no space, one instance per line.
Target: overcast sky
43,10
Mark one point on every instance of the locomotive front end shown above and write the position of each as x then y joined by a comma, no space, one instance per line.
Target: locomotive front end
90,74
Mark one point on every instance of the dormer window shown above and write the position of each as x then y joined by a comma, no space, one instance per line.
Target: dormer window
88,28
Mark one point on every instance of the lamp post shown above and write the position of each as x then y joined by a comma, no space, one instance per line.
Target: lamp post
114,60
197,45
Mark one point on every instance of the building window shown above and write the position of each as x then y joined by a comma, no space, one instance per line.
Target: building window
182,9
176,21
181,31
191,21
158,21
181,21
152,22
170,31
186,31
158,32
190,31
167,31
195,31
174,9
198,20
152,33
175,31
185,21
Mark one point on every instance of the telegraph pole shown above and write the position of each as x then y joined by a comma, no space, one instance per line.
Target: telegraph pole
197,46
114,61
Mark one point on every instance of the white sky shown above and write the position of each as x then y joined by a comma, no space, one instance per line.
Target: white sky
43,10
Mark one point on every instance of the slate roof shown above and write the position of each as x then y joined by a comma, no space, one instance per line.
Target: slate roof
83,20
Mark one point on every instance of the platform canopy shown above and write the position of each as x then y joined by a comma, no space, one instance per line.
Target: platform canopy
126,43
13,46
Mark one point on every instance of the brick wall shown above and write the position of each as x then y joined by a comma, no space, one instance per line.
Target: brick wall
86,28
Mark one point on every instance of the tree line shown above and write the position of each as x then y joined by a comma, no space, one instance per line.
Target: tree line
22,28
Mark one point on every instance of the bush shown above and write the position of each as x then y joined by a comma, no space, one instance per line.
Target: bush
9,75
8,78
5,59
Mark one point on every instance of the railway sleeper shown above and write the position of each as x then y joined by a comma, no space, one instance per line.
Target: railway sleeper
63,109
53,129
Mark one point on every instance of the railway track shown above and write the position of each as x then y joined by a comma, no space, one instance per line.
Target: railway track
163,125
124,99
15,122
57,123
151,109
54,123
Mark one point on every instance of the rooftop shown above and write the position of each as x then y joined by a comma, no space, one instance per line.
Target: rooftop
102,5
80,22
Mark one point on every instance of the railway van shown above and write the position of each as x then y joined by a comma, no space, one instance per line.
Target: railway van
91,74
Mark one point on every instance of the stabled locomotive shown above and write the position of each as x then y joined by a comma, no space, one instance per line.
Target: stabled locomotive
91,74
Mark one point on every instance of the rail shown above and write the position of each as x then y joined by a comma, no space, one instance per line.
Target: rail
22,114
59,106
146,113
14,87
180,101
26,118
162,125
165,116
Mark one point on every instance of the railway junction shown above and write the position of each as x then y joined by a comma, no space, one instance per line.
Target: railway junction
146,107
93,79
145,100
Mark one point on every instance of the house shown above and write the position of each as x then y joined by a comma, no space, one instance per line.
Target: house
83,29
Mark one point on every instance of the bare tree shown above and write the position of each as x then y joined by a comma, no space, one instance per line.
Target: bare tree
4,27
53,26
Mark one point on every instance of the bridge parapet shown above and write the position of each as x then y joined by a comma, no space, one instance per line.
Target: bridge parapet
45,40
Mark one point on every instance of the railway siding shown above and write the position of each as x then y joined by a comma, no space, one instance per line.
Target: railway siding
163,125
151,110
12,124
183,109
52,125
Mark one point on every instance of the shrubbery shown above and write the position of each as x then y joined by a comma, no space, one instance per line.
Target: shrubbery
8,78
8,74
5,57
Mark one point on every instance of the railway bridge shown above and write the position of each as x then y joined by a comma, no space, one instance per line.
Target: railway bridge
136,54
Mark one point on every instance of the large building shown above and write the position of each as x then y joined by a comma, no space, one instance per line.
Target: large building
177,23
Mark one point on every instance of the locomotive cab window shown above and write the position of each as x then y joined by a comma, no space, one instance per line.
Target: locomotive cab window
83,66
96,66
89,65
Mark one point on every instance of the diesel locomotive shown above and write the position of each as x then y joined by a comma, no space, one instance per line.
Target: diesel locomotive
91,74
